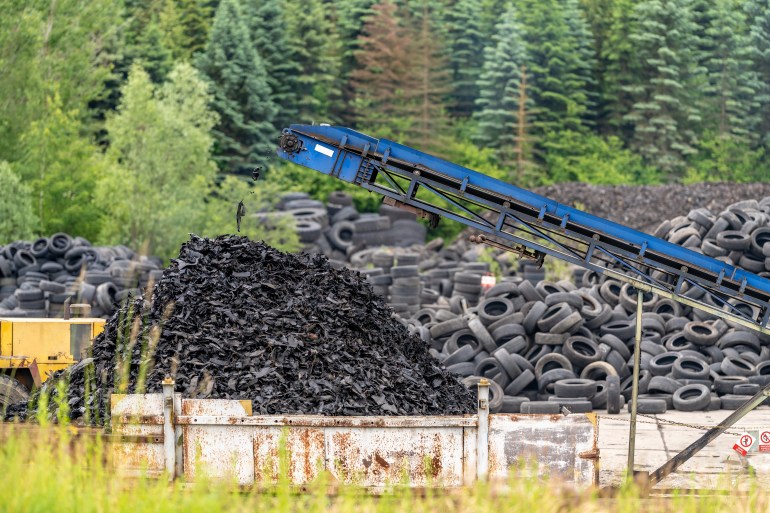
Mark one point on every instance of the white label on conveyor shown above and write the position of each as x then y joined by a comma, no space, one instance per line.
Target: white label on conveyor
326,151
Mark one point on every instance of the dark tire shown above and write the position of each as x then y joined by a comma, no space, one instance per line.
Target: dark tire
551,377
614,399
581,351
493,369
105,295
24,258
39,247
12,392
520,382
553,315
701,333
463,338
463,369
494,309
540,407
692,398
29,294
533,316
508,363
737,367
733,240
617,345
346,214
496,393
736,338
462,355
573,300
308,231
662,364
746,389
688,367
551,339
649,406
574,388
529,291
662,384
507,332
598,371
478,329
733,402
512,404
726,384
59,244
623,329
550,362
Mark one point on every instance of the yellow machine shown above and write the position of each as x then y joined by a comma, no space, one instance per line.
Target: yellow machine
33,349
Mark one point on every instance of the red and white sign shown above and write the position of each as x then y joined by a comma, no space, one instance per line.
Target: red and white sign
764,441
745,441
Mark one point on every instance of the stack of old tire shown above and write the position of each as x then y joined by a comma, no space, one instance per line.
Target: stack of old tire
37,278
337,229
548,346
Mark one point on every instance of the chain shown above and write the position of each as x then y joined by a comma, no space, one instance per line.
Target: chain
658,420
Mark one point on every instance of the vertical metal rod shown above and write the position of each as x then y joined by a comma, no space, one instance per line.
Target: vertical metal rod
169,450
482,440
635,383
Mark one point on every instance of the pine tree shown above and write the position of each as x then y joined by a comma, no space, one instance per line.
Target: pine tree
611,21
665,111
502,108
267,28
152,51
556,40
384,87
732,109
315,47
465,50
758,14
195,21
241,93
431,85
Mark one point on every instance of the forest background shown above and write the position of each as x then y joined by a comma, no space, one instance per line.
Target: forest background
138,122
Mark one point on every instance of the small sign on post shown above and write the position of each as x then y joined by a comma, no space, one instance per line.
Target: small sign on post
764,441
745,441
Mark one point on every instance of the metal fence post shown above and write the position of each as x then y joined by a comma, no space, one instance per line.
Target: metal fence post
482,440
169,445
635,384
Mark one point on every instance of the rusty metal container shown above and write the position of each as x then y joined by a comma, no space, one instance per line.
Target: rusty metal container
163,434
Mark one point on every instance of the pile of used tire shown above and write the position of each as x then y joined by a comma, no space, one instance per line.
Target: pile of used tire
37,278
338,230
551,345
236,319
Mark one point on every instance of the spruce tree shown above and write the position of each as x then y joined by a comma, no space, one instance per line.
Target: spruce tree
758,13
500,104
465,50
241,93
665,111
267,28
315,47
731,106
383,84
556,40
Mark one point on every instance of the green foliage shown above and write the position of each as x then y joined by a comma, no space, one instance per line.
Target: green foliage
160,142
238,81
592,159
315,47
62,167
45,47
665,112
500,82
17,216
726,159
266,20
465,53
732,103
275,230
758,16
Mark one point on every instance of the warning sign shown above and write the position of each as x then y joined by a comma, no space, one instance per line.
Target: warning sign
764,441
745,441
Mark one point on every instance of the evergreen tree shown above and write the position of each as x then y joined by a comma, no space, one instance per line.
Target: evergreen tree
465,50
732,109
500,103
195,21
556,38
384,87
238,81
315,48
151,49
350,16
758,13
432,84
612,22
267,27
665,111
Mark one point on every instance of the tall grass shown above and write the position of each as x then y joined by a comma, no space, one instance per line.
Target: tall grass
56,469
